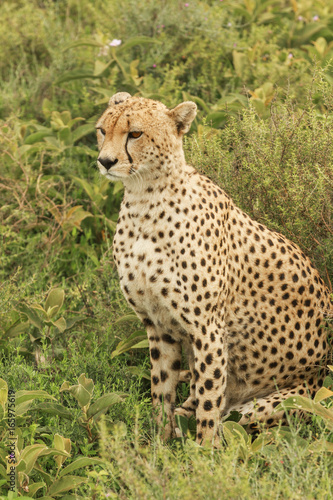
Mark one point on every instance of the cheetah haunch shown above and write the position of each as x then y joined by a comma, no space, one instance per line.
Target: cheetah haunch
243,301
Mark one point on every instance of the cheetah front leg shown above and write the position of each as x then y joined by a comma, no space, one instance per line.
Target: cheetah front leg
210,378
165,357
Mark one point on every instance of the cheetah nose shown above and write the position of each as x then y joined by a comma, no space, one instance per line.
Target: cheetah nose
107,163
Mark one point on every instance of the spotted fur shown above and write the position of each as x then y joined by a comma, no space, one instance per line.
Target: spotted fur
244,302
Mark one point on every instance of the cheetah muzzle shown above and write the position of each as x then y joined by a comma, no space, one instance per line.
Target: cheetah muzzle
245,304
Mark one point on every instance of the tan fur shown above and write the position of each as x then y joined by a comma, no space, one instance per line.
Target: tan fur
244,302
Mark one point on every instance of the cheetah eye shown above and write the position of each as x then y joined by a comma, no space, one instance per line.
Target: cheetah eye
102,131
134,135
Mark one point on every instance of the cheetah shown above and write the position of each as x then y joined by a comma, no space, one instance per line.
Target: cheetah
243,302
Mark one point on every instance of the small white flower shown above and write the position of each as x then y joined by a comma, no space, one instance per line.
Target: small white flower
229,25
300,18
290,56
115,43
315,18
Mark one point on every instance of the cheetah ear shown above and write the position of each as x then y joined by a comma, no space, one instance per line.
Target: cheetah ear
183,115
118,98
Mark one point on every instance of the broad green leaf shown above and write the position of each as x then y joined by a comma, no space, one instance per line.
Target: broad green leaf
87,383
29,456
82,131
22,408
302,403
51,311
127,317
328,382
217,118
55,452
65,116
54,143
104,403
23,396
31,315
235,433
37,136
38,307
70,322
55,299
65,484
72,121
129,343
60,324
321,45
81,395
16,329
79,463
259,443
24,497
322,394
64,445
54,409
21,466
235,429
144,344
65,136
3,472
3,392
33,487
82,392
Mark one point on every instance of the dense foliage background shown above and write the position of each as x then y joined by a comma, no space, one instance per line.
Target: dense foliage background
261,75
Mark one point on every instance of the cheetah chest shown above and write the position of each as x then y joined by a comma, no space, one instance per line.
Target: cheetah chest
145,266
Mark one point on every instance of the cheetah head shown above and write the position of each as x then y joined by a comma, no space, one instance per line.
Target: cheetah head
140,138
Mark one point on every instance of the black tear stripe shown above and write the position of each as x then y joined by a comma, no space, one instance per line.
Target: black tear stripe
128,155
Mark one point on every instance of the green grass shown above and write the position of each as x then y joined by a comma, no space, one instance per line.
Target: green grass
260,74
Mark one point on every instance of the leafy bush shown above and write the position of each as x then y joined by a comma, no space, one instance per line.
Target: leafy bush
279,169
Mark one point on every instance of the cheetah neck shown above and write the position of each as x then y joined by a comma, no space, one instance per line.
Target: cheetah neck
144,202
168,180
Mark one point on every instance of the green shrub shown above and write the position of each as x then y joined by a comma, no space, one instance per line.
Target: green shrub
279,169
